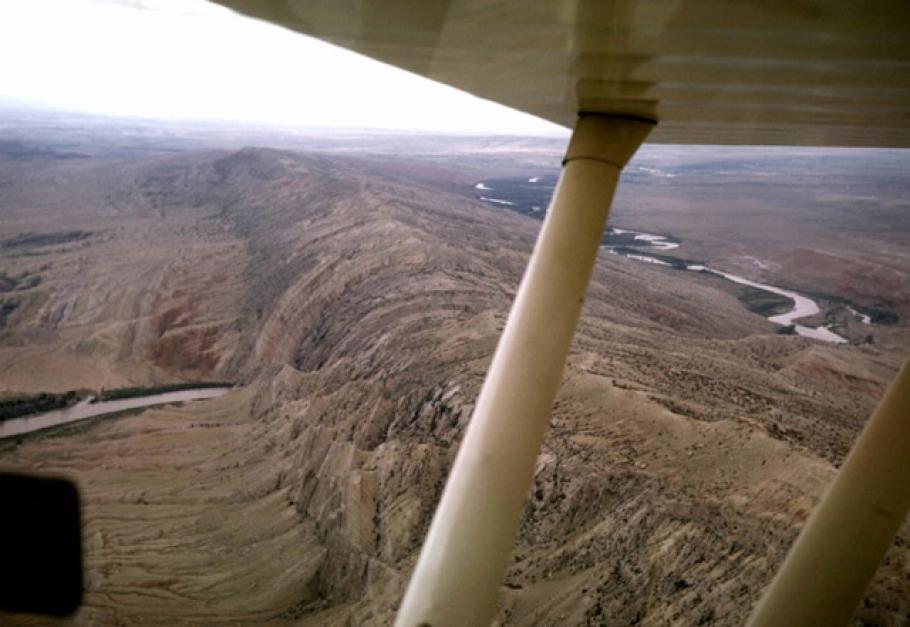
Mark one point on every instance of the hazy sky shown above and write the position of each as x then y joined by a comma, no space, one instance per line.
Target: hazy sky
191,59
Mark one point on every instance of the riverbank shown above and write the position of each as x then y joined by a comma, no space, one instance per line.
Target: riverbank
18,406
92,407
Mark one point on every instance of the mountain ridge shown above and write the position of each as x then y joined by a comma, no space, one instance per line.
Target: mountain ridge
688,443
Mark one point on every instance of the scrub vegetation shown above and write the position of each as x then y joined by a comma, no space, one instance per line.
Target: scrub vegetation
24,405
135,392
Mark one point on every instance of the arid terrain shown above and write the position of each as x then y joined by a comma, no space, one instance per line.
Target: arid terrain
354,291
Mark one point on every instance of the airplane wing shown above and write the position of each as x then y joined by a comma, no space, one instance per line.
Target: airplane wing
782,72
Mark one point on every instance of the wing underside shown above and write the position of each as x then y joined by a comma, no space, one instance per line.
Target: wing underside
712,72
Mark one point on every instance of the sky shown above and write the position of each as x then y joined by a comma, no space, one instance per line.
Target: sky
188,59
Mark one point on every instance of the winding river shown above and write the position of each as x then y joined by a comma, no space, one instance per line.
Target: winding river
802,305
88,409
528,195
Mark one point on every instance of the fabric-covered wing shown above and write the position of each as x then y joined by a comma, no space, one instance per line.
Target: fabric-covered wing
788,72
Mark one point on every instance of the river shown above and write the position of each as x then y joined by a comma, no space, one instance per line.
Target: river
87,409
802,305
528,195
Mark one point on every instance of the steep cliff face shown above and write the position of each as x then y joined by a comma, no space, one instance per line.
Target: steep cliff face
360,312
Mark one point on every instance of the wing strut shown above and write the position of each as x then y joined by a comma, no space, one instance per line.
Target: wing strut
839,549
460,569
